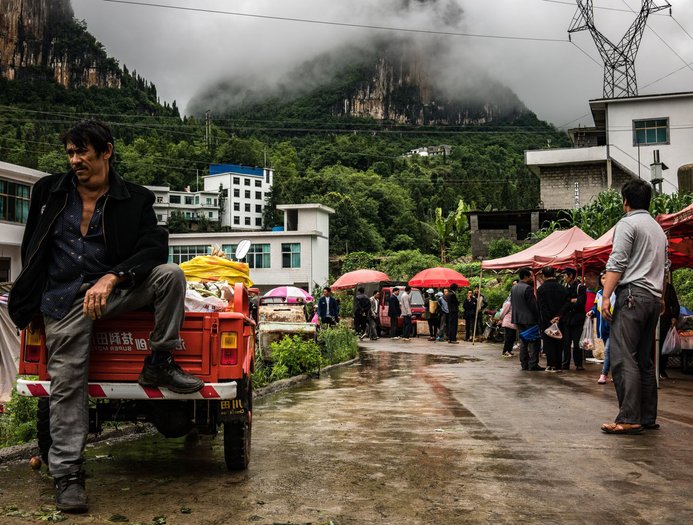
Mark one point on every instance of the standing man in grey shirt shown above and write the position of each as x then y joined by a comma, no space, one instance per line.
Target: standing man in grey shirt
635,269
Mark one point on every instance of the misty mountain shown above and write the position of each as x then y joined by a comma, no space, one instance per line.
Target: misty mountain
397,81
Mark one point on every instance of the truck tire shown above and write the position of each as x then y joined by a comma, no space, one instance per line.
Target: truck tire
43,427
237,434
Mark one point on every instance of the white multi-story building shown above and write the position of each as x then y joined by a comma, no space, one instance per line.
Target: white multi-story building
298,255
246,193
191,205
621,145
15,188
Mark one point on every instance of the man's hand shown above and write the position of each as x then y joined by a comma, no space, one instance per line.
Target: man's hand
673,321
606,308
555,320
589,314
96,297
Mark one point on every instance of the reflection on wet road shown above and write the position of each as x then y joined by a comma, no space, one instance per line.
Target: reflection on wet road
417,434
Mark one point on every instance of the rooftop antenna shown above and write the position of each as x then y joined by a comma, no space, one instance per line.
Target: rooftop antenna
619,59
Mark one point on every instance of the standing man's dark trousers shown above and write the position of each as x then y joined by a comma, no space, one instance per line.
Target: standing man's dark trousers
452,326
553,349
571,338
406,326
393,326
468,328
529,350
632,352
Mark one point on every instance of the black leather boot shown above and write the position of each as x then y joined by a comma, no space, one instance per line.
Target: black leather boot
169,375
70,495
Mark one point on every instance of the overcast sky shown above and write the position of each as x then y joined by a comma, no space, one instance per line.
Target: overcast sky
182,52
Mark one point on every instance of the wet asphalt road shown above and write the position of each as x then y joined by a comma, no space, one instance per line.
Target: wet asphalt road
416,433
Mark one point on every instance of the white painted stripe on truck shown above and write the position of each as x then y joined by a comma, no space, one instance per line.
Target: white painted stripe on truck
29,388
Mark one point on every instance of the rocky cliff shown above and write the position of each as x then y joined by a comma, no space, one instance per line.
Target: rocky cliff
403,84
41,39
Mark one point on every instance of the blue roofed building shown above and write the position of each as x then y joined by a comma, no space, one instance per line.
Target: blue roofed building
246,189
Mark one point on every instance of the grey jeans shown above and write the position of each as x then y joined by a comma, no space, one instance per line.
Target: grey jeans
632,351
68,341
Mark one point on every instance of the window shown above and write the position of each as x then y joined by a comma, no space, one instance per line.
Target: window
236,206
174,199
247,221
209,201
236,219
159,217
291,255
259,256
247,207
14,201
258,208
258,195
258,221
230,250
189,200
258,184
159,200
651,131
180,254
210,214
188,215
237,180
197,200
247,182
247,194
236,192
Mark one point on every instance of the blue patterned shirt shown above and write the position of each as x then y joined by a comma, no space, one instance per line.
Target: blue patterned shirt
75,259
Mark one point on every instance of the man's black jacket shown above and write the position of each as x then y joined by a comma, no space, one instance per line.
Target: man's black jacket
134,242
552,298
394,309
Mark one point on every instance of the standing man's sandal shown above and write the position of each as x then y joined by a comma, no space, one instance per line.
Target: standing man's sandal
621,428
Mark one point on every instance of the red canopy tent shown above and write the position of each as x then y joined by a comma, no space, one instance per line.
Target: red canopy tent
557,249
679,229
595,254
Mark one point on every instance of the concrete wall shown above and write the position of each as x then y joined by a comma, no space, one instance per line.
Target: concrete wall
557,186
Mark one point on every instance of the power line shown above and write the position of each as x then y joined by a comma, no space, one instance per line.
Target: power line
662,40
333,23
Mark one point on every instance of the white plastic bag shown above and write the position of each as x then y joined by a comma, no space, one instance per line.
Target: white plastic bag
672,343
587,337
554,332
196,302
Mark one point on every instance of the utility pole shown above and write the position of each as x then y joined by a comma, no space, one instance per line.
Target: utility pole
619,59
208,129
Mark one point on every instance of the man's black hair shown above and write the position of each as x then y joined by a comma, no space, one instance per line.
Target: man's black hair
453,287
361,289
638,193
548,272
376,291
91,132
407,288
524,273
327,288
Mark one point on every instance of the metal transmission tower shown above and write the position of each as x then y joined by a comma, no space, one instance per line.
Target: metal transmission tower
619,59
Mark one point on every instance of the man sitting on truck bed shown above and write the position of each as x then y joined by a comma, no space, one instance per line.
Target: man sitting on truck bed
92,248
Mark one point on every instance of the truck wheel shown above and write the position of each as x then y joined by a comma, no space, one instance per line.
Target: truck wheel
43,427
237,434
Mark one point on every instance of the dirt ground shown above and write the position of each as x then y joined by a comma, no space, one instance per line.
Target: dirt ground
415,433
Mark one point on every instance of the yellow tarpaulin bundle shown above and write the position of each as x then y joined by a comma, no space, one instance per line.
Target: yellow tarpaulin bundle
212,268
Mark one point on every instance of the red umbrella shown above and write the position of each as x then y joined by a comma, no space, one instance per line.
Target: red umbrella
438,277
351,279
